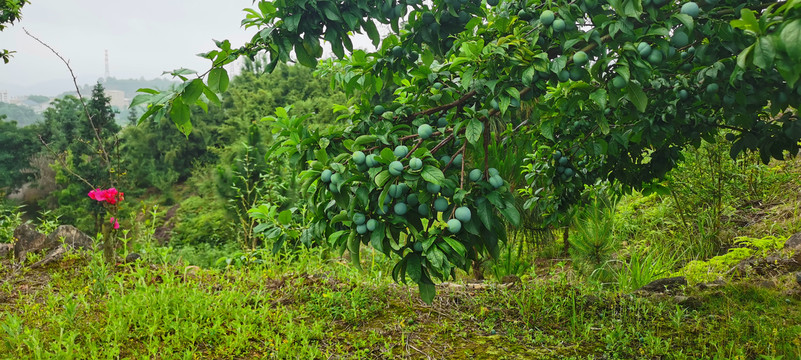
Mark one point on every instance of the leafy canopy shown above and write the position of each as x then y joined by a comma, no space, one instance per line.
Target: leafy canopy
602,89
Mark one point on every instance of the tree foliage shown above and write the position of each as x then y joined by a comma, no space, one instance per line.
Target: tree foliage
602,89
10,12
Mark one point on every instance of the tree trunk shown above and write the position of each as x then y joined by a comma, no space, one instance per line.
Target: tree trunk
478,273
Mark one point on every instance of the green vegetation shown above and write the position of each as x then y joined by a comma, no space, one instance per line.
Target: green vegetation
488,182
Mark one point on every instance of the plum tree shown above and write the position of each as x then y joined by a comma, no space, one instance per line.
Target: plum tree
624,117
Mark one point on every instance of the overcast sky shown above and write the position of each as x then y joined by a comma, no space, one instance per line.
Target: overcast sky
143,38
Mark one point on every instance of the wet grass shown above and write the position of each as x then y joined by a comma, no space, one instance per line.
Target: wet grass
79,308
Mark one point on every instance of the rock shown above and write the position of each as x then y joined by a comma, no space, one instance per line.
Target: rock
663,285
54,255
711,285
6,249
71,236
132,257
510,279
798,277
793,243
28,239
766,284
689,302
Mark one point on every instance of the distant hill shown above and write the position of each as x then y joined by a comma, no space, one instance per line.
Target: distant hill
129,86
24,116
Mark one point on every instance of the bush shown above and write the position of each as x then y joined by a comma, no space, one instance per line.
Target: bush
10,218
202,221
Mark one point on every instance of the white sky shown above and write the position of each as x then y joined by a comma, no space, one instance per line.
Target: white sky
143,38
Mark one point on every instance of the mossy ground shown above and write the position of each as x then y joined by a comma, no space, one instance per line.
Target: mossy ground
79,308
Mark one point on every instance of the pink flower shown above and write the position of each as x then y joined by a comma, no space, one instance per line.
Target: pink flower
111,196
115,223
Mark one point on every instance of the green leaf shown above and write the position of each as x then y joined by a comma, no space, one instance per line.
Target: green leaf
474,130
485,214
511,214
432,174
377,237
414,267
455,245
790,37
742,58
179,114
362,140
285,217
747,21
218,80
427,292
382,178
353,247
303,56
193,91
637,96
372,31
764,53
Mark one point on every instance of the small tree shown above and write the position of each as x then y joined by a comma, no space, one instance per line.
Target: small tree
618,88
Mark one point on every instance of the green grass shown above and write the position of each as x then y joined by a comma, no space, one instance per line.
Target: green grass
314,308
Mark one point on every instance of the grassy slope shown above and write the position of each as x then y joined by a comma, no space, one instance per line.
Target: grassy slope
314,309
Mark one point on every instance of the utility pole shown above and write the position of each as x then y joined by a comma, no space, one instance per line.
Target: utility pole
107,71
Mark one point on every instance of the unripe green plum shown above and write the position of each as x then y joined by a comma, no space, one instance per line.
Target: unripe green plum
618,82
412,200
493,172
679,39
394,191
378,110
691,9
397,51
563,161
371,161
656,57
564,76
401,151
558,25
423,210
580,58
569,172
454,226
326,175
333,187
383,210
475,175
337,179
361,229
442,122
496,181
644,49
358,157
425,131
712,88
401,209
433,188
547,17
463,214
371,224
556,155
445,159
358,218
415,163
395,168
457,160
441,204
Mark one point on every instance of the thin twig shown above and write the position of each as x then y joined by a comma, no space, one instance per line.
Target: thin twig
96,131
